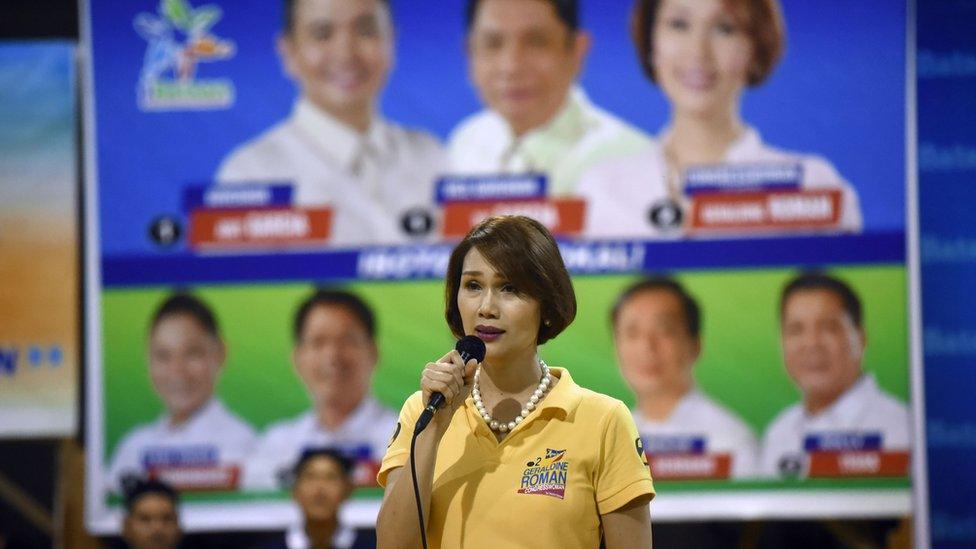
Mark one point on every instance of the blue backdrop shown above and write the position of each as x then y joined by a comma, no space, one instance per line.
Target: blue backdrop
947,200
839,92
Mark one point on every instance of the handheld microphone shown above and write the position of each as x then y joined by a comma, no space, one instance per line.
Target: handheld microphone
468,347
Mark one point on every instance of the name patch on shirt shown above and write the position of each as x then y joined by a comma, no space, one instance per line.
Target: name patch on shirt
199,455
191,467
841,441
546,475
468,200
765,210
491,188
675,444
853,454
252,217
722,178
237,196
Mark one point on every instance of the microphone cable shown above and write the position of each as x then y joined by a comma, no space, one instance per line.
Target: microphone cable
416,488
468,347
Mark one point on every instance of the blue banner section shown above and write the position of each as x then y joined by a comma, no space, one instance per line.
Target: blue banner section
413,262
170,108
947,193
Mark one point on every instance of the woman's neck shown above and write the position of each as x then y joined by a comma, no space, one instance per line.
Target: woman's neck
507,385
699,139
513,376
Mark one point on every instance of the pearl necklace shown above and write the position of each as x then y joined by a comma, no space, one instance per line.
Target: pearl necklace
501,426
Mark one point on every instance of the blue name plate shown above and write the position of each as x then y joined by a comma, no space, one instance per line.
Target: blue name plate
491,187
842,441
180,456
350,450
743,177
238,196
679,444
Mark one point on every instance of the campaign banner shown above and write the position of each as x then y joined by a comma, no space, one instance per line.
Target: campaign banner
237,161
38,240
741,371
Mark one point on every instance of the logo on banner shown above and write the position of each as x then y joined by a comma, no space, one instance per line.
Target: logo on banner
665,215
547,475
178,38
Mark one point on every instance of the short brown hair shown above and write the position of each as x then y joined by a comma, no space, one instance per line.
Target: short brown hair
523,250
763,21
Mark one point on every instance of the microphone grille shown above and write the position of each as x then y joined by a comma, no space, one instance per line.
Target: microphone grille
471,347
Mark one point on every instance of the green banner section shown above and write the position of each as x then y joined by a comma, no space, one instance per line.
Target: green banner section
740,366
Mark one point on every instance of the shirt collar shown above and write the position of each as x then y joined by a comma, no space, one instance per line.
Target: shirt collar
743,149
564,397
852,402
685,405
359,421
338,140
567,124
296,538
212,406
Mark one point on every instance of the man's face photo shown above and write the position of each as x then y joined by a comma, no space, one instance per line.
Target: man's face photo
335,355
822,348
152,523
184,361
339,52
654,347
523,60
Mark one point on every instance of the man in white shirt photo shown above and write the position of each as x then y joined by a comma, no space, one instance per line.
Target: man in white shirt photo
657,335
335,355
823,343
335,148
196,431
524,58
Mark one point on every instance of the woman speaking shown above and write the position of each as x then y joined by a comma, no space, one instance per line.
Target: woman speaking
703,54
519,455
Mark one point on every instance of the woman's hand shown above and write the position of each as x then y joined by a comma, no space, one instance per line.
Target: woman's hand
451,377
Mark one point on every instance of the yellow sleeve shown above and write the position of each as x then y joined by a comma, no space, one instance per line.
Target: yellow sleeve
398,450
622,474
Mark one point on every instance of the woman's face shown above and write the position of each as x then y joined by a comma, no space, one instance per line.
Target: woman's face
496,311
701,56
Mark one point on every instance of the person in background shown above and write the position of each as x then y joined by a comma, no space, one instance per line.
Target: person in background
524,58
186,356
322,481
657,335
335,355
703,54
152,518
335,148
823,341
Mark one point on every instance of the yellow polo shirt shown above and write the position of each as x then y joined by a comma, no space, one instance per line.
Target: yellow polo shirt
574,458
